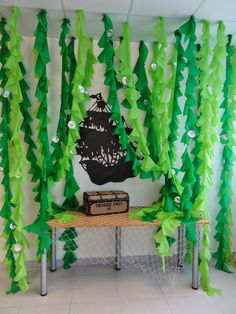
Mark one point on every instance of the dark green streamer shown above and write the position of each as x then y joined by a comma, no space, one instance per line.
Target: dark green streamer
188,30
107,57
40,226
8,232
224,219
144,102
176,111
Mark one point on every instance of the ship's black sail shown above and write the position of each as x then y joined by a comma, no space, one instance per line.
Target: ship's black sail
101,155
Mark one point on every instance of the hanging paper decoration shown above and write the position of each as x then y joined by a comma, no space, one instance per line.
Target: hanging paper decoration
210,87
42,189
188,31
6,210
159,98
59,140
144,102
71,186
81,81
107,57
168,207
132,95
26,128
224,218
17,160
178,65
68,237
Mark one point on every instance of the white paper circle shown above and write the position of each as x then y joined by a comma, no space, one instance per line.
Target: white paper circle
17,247
175,64
177,200
110,32
191,133
18,176
1,169
125,80
55,139
224,137
71,124
145,101
5,93
81,89
12,226
153,66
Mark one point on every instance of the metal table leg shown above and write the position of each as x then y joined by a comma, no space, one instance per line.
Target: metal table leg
195,260
118,248
180,246
43,274
53,265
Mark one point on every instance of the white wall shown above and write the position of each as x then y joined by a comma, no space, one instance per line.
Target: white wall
142,192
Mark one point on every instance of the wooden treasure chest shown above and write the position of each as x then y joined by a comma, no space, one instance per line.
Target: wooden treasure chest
106,202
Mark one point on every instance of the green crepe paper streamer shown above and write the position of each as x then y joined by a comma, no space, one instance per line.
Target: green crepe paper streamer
17,160
210,87
166,209
132,95
62,123
178,65
6,135
160,110
197,148
223,254
42,189
34,170
144,102
82,80
107,57
164,237
65,217
71,186
70,247
188,31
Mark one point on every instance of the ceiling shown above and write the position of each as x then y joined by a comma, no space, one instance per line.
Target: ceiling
141,14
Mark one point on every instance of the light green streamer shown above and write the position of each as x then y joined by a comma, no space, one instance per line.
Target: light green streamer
17,160
210,87
132,95
160,108
82,80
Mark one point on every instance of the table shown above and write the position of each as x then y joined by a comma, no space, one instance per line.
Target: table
118,221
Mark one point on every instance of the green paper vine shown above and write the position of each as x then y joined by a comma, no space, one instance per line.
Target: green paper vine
167,209
126,76
42,189
6,210
223,254
17,160
81,81
71,186
144,102
178,65
210,87
188,31
160,110
107,57
60,139
26,128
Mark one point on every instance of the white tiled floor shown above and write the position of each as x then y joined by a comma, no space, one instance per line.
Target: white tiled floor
102,290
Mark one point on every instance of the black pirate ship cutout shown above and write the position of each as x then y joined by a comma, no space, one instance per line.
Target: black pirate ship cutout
99,149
